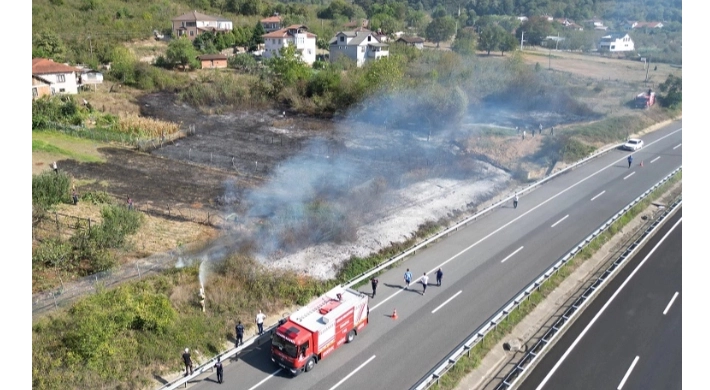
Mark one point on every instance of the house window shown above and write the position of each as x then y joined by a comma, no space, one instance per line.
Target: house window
369,38
61,78
34,92
342,38
62,90
192,33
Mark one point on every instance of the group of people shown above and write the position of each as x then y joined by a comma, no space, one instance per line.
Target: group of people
517,130
424,280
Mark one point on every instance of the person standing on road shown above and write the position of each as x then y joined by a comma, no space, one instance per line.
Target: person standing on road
515,201
374,283
220,370
439,275
630,159
407,278
240,334
425,282
188,362
260,322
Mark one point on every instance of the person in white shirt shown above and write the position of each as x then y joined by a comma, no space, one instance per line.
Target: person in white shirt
425,282
260,322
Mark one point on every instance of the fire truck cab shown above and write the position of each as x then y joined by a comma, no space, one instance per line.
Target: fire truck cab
313,332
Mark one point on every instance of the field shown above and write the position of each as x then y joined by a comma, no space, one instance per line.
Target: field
241,170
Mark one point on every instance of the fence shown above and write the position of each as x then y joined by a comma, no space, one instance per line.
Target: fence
59,225
433,376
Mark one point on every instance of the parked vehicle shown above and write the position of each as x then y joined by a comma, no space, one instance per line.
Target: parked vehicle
645,99
633,144
316,330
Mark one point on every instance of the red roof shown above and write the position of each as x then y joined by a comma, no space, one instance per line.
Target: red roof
47,66
283,33
271,19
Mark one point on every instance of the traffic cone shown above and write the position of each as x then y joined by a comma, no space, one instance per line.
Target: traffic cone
394,314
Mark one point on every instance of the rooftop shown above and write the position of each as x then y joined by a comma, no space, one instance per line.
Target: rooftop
195,16
47,66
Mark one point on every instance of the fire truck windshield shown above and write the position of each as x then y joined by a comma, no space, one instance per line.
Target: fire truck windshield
284,345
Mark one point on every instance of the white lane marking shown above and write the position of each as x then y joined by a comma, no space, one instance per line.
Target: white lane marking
511,255
629,175
447,301
265,379
352,373
563,218
655,159
522,215
596,317
677,146
628,372
598,195
670,303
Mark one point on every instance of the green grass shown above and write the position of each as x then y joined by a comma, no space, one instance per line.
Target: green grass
60,144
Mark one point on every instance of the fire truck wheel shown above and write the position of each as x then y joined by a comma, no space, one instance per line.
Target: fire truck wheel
310,364
351,336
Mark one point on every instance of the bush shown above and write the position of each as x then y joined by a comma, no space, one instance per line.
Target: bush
117,222
49,188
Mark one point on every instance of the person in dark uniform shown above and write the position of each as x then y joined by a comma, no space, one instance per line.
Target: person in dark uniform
220,370
439,275
188,362
240,334
374,282
630,159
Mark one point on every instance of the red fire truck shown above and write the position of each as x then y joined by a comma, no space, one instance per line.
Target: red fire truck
316,330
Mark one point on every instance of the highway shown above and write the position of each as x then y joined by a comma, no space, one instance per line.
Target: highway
485,264
630,337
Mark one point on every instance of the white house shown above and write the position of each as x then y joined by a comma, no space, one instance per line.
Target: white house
296,35
194,23
616,42
360,45
61,78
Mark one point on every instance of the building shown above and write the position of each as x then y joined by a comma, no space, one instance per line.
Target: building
40,87
296,35
360,45
213,61
412,41
194,23
61,78
648,25
272,23
616,42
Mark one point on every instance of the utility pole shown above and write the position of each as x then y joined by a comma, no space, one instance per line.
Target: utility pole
521,40
648,65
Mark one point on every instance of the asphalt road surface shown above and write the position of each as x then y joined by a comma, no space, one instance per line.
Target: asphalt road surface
630,337
485,264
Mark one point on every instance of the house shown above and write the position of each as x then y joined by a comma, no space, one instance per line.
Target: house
412,41
272,23
360,45
89,77
194,23
40,87
213,61
61,78
631,25
648,25
616,42
569,24
522,18
296,35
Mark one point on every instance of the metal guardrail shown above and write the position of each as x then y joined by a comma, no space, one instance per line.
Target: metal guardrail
432,377
365,275
548,339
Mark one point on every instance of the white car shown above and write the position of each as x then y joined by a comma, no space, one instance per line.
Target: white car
633,144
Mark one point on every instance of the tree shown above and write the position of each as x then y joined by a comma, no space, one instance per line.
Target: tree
257,37
673,88
47,44
536,29
489,38
123,64
182,52
288,66
250,7
507,42
466,42
440,29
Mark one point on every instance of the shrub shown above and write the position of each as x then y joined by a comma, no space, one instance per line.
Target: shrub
117,222
49,188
